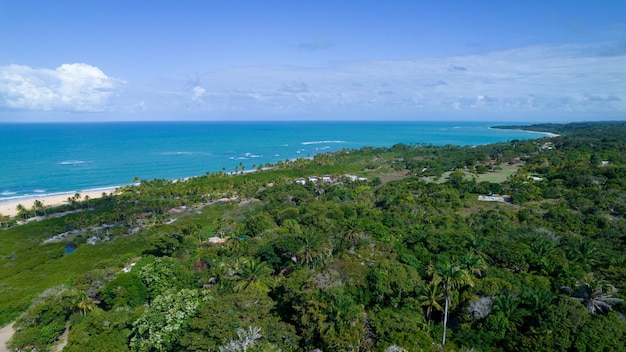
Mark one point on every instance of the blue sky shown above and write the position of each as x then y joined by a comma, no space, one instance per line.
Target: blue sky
287,60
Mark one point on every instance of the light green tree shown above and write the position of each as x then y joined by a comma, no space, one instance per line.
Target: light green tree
163,322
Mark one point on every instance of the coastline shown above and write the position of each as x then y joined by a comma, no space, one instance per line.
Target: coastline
8,206
198,154
547,134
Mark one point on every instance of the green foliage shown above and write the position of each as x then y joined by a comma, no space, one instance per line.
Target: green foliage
39,326
126,289
257,224
162,324
405,259
102,331
162,274
392,283
404,327
218,318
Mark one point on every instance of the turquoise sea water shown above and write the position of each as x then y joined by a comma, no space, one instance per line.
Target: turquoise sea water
39,159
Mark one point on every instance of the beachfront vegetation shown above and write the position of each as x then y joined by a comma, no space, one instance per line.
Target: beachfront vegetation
391,251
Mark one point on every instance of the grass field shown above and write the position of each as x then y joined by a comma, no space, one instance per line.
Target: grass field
500,175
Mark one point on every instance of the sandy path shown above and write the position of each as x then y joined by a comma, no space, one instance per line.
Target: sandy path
5,334
62,339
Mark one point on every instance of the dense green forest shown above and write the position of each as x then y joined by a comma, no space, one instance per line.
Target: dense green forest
386,249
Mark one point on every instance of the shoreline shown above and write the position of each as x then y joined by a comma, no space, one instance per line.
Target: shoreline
547,134
8,206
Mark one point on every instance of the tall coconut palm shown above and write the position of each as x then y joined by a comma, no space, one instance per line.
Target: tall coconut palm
452,277
595,294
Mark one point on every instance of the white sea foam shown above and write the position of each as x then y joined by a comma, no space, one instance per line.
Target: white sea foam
7,193
178,153
323,142
250,155
73,162
39,190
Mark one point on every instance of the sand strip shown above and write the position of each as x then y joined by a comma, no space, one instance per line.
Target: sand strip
8,207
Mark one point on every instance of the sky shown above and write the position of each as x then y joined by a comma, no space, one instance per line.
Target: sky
493,60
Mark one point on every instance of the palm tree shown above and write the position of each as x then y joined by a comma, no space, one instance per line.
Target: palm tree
351,232
473,264
85,303
254,275
38,207
595,294
22,212
537,299
4,220
508,304
451,277
246,338
430,297
313,249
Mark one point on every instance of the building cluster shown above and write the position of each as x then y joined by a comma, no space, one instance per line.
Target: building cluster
328,179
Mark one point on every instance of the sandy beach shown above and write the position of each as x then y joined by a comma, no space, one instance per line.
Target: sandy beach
547,134
9,207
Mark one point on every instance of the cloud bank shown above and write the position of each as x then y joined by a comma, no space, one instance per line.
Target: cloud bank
537,81
531,83
74,87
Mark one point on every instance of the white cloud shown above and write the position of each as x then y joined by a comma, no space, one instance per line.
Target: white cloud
71,87
198,92
549,80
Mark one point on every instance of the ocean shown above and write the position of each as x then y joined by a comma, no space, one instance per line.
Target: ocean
43,159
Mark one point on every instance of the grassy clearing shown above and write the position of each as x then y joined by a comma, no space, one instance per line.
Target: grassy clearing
500,175
392,176
493,176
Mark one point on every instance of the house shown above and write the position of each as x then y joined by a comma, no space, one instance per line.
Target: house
494,198
351,177
217,240
326,178
301,180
